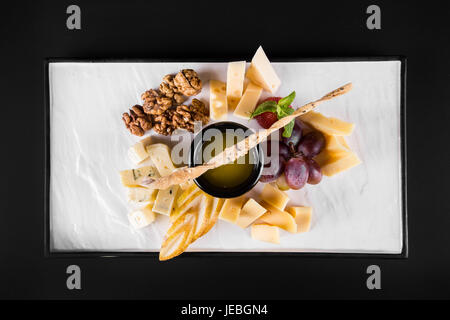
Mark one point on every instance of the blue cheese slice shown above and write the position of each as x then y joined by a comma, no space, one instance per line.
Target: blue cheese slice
134,177
165,200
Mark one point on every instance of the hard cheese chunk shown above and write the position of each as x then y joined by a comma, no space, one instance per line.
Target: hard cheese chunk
274,196
261,72
134,177
278,218
231,209
142,217
248,101
139,194
265,232
251,211
137,152
330,126
235,82
160,156
336,143
165,200
218,106
332,164
302,216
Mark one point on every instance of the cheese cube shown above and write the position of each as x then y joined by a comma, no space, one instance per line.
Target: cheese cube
339,163
142,217
265,232
330,126
274,196
134,177
335,143
302,216
251,211
248,101
160,156
218,105
139,194
137,153
235,82
165,200
278,218
231,209
261,72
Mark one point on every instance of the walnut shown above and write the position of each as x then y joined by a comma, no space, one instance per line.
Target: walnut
188,82
137,121
169,89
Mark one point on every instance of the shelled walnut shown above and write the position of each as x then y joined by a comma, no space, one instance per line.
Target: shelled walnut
162,109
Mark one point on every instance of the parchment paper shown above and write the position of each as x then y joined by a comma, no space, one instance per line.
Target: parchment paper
355,211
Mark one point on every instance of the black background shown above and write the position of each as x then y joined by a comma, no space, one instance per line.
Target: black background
34,30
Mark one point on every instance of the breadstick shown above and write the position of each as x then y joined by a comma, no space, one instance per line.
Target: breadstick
238,150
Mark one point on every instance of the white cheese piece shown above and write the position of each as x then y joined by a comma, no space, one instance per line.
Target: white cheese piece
134,177
251,211
137,152
160,156
139,194
248,101
265,232
235,82
261,72
218,105
141,217
165,200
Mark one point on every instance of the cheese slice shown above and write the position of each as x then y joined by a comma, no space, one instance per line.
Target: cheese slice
335,143
218,105
160,155
339,163
165,200
139,194
231,209
251,211
137,152
274,196
261,72
134,177
235,82
265,232
142,217
248,101
330,126
278,218
302,216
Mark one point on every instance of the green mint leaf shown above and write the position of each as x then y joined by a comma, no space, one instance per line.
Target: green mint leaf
287,101
288,129
266,106
284,111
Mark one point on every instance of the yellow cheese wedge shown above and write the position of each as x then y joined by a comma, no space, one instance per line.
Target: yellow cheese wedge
339,164
262,73
335,143
142,217
231,209
235,83
330,126
160,155
134,177
137,152
248,101
302,216
271,194
139,194
251,211
278,218
265,232
218,105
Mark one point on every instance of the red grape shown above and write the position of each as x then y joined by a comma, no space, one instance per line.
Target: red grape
311,144
296,172
284,151
295,137
272,172
315,173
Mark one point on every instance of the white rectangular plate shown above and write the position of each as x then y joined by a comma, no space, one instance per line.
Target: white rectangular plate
358,211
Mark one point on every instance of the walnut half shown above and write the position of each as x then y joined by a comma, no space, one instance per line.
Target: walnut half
188,82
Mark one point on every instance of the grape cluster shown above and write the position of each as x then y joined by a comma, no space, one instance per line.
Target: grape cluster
294,166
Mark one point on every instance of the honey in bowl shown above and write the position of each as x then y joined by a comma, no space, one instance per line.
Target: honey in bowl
229,180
